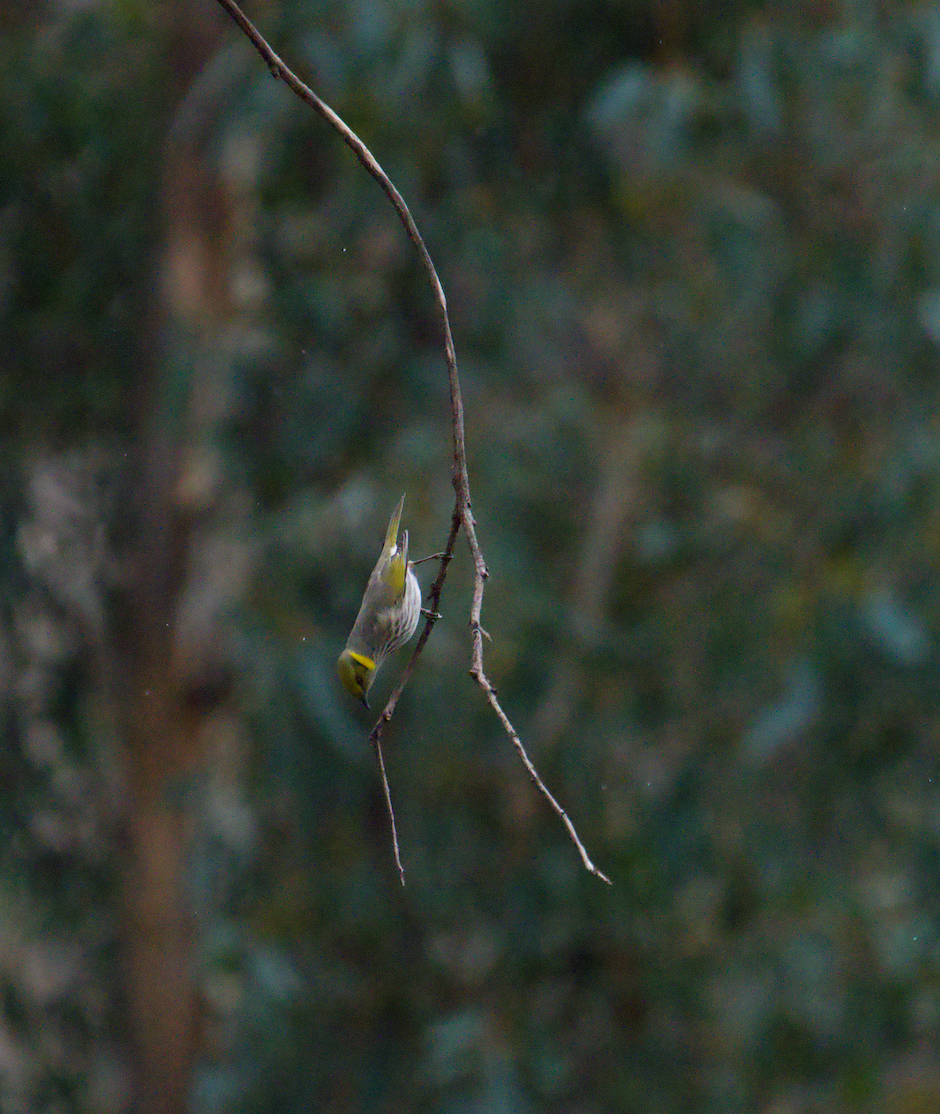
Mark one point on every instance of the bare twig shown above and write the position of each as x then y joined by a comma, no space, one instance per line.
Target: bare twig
462,514
376,746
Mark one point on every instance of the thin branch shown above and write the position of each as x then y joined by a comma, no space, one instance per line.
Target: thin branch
481,679
388,804
462,514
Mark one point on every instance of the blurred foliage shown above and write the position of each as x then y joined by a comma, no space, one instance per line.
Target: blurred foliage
692,254
78,173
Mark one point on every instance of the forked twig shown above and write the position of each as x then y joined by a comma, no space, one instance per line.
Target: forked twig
462,515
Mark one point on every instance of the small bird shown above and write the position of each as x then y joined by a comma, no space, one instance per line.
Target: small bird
388,617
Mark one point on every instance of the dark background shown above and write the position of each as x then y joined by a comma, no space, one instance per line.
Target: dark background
692,255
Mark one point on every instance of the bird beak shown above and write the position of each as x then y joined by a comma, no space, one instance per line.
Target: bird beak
364,699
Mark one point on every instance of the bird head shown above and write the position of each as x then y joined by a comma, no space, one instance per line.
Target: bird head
357,672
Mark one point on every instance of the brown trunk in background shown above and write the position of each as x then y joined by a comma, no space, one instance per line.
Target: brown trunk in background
161,723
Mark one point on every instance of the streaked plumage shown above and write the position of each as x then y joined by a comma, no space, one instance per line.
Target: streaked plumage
388,617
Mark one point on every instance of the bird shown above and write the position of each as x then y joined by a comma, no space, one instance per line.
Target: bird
388,617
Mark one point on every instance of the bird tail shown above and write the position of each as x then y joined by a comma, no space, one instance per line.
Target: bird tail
391,535
394,560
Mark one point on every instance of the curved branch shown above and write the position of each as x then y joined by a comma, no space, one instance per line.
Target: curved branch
462,515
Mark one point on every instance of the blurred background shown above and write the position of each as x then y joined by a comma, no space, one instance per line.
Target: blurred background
692,254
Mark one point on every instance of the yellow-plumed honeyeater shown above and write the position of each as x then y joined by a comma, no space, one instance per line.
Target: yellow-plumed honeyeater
391,608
